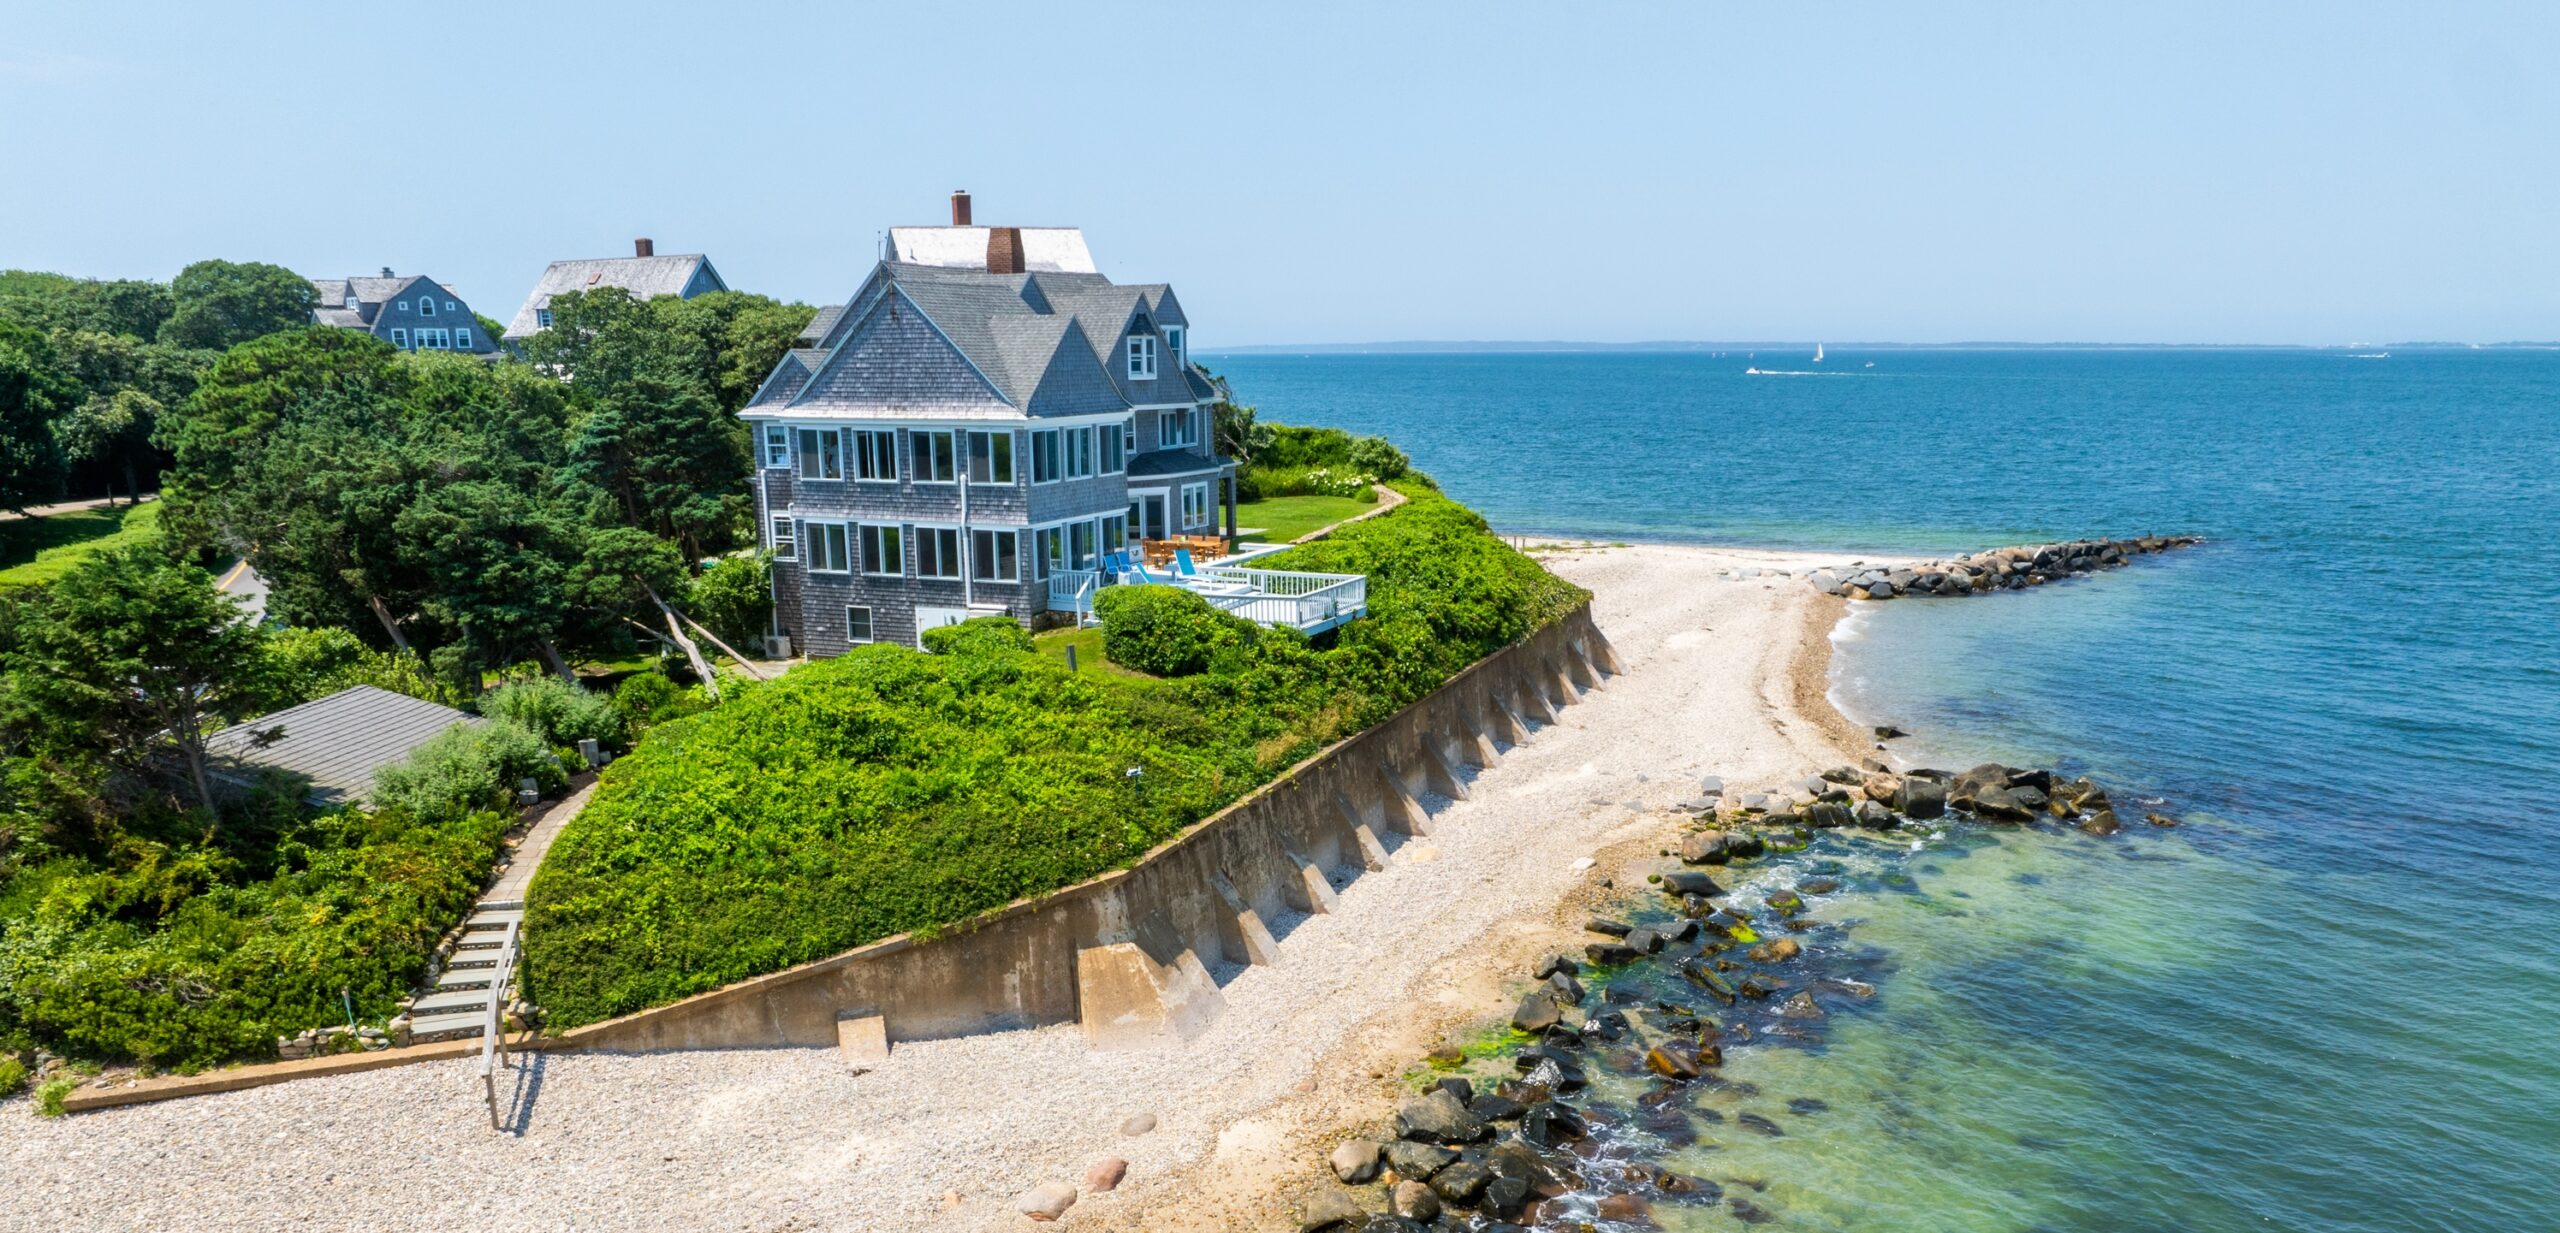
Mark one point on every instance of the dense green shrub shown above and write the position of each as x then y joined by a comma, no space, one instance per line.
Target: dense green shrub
1377,456
889,791
978,636
556,711
735,598
1291,461
313,663
646,699
1166,630
13,1076
467,768
171,958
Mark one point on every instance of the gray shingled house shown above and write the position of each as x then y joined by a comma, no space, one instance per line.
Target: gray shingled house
644,274
412,313
976,431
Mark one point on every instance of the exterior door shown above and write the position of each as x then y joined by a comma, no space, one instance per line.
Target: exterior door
1150,514
936,618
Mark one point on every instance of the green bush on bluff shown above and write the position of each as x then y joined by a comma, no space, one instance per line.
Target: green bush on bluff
1166,631
889,791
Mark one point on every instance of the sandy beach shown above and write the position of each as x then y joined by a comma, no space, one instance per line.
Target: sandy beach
1723,676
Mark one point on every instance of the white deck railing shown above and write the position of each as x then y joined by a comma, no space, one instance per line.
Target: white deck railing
1309,603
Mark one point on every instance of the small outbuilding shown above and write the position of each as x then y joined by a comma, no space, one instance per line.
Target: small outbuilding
335,743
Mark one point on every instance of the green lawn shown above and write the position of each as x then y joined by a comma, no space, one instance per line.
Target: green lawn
1088,645
35,551
1282,519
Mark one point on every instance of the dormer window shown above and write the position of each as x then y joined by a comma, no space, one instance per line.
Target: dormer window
542,318
351,301
426,308
1142,357
1173,343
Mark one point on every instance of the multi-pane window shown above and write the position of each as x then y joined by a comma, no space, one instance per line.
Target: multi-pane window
991,556
399,337
883,551
857,623
821,454
1173,342
991,458
1050,544
937,552
1142,357
1078,443
1173,429
830,551
462,340
875,454
777,445
1115,532
935,463
426,308
1115,448
1195,504
542,318
1129,435
784,546
1044,456
1080,538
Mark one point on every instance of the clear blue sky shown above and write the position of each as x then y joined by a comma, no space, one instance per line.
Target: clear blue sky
2034,171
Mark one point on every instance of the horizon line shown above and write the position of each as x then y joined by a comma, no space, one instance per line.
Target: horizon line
1458,346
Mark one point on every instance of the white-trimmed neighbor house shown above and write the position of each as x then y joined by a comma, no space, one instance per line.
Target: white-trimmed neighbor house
644,274
413,313
977,431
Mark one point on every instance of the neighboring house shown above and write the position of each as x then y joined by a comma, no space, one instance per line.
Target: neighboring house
411,313
644,274
974,432
335,743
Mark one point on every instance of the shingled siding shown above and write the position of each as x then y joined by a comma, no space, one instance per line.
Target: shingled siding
811,607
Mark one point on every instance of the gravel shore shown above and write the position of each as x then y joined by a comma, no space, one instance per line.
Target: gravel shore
1723,677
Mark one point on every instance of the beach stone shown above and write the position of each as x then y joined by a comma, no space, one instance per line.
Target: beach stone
1555,963
1548,1124
1439,1117
1761,1124
1625,1209
1706,977
1808,1104
1876,817
2159,819
1414,1201
1564,989
1493,1107
1711,786
1689,882
1105,1175
1613,928
1777,950
1046,1201
1330,1209
1505,1196
1920,798
1645,940
1418,1161
1748,1212
1537,1013
1355,1161
1881,785
1673,1059
1818,886
1461,1183
2030,797
1389,1222
1756,987
1605,953
1785,902
1999,805
1457,1086
2103,822
1138,1125
1827,815
1706,848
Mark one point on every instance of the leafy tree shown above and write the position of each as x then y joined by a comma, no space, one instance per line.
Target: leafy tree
34,392
123,656
130,307
646,428
220,304
113,430
743,336
735,598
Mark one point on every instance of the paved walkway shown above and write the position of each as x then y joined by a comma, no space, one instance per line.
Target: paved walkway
65,507
510,886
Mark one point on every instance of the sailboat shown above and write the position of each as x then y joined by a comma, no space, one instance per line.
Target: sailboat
1817,353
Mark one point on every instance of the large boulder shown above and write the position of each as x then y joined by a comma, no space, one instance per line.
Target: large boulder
1355,1161
1673,1059
1920,798
1461,1183
1776,950
1828,815
1439,1117
1881,785
1685,882
1876,817
1706,847
1418,1161
1414,1201
1328,1210
1536,1014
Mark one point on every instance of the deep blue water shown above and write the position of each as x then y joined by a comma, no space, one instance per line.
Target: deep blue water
2332,999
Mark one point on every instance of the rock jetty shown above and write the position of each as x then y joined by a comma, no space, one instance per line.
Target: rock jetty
1999,569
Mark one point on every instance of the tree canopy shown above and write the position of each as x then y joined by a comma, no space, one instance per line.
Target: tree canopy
218,304
34,391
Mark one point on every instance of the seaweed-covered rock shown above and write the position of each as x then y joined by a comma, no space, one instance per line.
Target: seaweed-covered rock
1776,950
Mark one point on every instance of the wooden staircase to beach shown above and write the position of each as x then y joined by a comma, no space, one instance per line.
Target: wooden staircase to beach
458,1007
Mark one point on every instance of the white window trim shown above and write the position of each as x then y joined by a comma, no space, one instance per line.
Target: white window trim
1142,357
959,465
812,531
400,338
869,620
542,318
800,448
1012,461
776,528
905,552
1058,451
959,549
995,533
785,461
1188,519
1173,341
862,437
426,308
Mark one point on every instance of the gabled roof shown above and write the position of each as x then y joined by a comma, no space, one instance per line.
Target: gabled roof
644,277
371,294
336,742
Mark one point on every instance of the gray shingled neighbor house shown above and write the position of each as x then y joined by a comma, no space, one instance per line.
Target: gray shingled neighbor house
976,432
412,313
335,743
644,274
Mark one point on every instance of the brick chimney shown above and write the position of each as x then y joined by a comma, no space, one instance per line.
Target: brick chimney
1004,250
644,247
960,207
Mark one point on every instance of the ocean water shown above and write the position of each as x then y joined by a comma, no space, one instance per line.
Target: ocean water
2331,999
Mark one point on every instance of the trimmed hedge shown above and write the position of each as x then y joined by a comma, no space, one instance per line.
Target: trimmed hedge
978,636
889,791
1166,631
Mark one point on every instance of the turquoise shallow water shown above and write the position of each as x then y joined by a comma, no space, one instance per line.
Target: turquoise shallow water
2330,1001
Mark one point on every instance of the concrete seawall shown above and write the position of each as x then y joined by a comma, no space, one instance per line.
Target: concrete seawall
1127,954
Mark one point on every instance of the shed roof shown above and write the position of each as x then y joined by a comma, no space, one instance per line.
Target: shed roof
337,742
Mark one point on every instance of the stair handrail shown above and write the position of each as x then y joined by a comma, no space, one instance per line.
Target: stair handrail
493,1045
